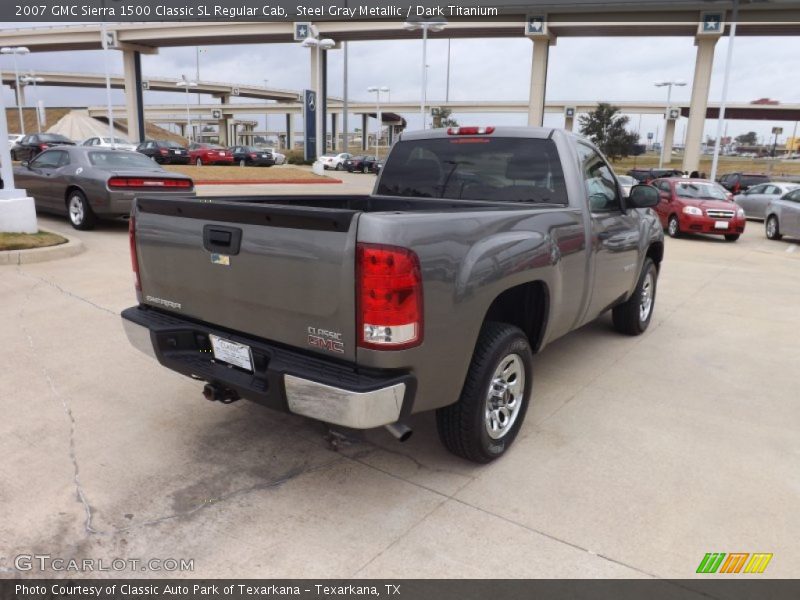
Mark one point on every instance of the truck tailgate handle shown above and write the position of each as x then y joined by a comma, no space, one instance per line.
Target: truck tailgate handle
222,240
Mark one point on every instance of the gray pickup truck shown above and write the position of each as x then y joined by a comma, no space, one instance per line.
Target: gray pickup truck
478,247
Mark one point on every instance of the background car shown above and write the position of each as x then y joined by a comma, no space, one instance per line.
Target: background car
86,183
755,200
164,152
106,142
280,159
377,166
209,154
334,161
697,206
360,163
783,216
31,145
626,182
13,138
740,182
649,175
251,156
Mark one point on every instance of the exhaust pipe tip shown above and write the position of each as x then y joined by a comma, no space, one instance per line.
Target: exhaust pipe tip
400,431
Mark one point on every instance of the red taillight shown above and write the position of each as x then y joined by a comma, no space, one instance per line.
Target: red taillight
469,130
138,182
43,146
389,295
253,155
163,151
134,258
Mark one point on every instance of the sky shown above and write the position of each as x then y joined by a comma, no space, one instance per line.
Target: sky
611,69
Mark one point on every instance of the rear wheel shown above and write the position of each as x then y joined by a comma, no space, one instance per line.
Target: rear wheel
484,422
731,237
633,316
365,169
773,228
673,226
80,213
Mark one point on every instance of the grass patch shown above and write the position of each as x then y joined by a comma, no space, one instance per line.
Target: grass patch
25,241
727,164
226,173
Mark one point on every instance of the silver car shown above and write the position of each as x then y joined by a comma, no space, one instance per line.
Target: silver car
783,216
626,182
755,200
85,183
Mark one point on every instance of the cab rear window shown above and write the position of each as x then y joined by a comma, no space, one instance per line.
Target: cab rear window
476,168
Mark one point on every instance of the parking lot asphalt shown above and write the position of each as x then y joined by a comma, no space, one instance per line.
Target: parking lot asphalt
638,456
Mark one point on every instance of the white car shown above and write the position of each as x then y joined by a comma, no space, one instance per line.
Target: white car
334,161
105,142
13,138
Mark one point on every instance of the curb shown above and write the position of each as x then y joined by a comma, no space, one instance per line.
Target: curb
264,181
34,255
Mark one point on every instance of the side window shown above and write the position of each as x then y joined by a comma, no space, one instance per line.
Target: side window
664,186
794,196
47,160
64,160
761,189
601,186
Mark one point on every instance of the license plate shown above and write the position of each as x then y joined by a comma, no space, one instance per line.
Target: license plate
720,225
177,152
232,353
263,156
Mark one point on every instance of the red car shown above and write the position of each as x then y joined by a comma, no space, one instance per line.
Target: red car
698,206
209,154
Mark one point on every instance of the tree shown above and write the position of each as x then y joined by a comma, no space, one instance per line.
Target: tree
441,118
747,139
605,127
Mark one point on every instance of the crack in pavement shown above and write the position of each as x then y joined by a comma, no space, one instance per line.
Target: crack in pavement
53,284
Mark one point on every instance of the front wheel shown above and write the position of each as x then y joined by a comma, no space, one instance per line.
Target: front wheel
673,227
633,316
199,162
338,166
731,237
484,422
365,169
80,213
242,163
773,228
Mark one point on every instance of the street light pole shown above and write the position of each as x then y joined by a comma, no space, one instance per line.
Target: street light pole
32,79
669,85
432,25
724,99
13,51
378,115
186,84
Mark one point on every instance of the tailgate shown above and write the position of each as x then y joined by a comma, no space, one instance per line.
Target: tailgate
282,273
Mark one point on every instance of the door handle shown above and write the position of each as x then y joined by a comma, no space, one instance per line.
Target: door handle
222,240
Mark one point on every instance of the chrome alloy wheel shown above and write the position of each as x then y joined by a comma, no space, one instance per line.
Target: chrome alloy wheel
505,396
646,298
76,214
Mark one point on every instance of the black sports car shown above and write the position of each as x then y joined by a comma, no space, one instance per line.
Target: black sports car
250,156
164,153
33,144
361,164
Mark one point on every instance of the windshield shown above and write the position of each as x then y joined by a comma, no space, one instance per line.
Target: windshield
707,191
121,160
116,141
476,168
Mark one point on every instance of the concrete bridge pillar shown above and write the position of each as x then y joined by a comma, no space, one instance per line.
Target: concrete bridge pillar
364,131
541,52
699,103
289,131
134,105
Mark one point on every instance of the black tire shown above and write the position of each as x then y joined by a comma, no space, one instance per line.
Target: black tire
198,162
338,166
463,426
674,226
628,317
79,212
731,237
242,163
773,228
365,169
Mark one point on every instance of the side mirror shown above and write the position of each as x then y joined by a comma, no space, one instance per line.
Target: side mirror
642,196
